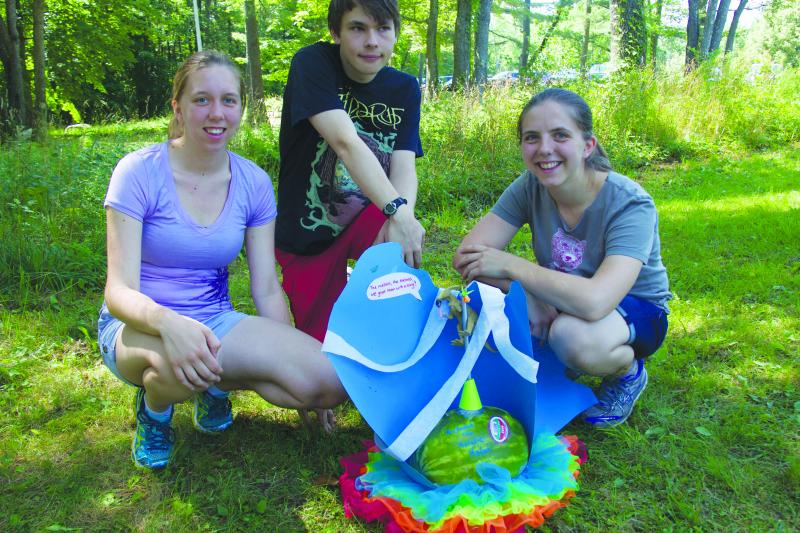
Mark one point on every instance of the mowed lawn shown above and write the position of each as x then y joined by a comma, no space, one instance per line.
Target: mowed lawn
714,444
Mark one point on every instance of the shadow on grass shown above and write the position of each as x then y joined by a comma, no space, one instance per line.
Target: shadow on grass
71,468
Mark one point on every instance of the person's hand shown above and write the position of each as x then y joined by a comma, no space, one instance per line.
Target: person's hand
540,316
191,349
381,237
403,228
479,261
325,417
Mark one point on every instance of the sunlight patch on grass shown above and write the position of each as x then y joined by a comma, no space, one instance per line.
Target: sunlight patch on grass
777,202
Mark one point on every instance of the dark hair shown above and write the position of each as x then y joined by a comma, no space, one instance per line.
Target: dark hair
380,10
580,113
197,61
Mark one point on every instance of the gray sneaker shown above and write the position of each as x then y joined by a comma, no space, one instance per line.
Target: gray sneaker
616,398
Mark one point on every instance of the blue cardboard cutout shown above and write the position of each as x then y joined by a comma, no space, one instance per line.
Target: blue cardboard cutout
390,345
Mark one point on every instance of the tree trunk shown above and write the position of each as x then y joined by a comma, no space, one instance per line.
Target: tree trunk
615,26
404,59
654,36
461,44
553,24
692,35
719,25
628,34
432,47
708,28
526,37
253,61
587,26
39,80
734,25
27,82
12,64
5,58
482,42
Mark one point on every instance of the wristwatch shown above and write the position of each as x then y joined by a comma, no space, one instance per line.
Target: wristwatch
391,208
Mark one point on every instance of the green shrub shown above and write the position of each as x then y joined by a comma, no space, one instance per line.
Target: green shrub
51,214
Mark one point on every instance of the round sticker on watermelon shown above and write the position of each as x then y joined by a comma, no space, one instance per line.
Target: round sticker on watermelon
498,429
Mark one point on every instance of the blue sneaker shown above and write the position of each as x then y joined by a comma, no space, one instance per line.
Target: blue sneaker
153,440
212,414
617,397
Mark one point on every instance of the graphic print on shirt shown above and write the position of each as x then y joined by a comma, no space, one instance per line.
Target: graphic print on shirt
333,199
378,114
567,251
217,287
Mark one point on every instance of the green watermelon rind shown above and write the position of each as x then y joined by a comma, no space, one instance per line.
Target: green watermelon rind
439,463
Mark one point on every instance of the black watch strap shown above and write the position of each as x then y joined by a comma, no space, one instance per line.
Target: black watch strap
391,208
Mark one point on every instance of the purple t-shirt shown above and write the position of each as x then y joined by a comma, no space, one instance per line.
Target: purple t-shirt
185,265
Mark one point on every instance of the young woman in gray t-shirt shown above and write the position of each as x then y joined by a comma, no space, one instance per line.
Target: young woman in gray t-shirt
598,290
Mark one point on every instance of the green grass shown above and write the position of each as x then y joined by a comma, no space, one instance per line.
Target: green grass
714,443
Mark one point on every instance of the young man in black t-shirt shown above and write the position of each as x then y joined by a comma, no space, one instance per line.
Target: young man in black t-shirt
349,139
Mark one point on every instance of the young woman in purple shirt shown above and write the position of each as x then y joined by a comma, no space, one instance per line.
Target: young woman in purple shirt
177,215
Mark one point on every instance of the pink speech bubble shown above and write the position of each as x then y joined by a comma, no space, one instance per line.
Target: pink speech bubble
394,285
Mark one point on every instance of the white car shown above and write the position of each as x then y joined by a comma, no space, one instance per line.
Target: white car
599,71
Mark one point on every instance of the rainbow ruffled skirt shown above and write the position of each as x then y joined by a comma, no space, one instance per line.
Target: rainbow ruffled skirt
375,487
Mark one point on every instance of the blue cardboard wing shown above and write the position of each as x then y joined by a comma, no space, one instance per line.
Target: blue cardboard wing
390,344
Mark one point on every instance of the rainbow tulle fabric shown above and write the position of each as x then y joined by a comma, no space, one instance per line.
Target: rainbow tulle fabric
374,487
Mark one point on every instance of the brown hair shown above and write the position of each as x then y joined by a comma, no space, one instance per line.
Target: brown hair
582,115
197,61
380,10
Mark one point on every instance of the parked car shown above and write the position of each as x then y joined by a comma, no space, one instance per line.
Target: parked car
560,76
444,82
506,77
599,71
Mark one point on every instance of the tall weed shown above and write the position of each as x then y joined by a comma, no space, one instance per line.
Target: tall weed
640,118
51,215
471,152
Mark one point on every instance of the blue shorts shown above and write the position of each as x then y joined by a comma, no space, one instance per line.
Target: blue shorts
647,323
108,328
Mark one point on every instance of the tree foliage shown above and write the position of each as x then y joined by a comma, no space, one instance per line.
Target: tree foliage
112,59
783,39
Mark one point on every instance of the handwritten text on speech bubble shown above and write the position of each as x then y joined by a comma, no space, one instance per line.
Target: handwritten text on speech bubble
394,285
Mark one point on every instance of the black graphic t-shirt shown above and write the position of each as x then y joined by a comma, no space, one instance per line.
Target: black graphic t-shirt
317,198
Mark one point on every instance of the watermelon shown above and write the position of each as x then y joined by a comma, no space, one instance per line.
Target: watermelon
463,439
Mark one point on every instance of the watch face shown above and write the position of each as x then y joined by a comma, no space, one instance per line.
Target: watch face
391,208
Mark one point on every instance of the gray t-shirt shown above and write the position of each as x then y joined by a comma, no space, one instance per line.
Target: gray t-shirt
622,220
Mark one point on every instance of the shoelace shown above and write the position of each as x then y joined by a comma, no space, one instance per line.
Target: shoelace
612,396
159,435
615,394
215,407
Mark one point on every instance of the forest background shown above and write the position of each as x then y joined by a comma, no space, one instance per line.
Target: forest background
698,106
90,61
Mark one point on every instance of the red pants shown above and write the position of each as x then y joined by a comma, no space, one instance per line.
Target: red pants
314,282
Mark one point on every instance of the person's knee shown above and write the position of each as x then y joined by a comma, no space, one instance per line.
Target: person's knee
324,393
578,349
570,342
161,380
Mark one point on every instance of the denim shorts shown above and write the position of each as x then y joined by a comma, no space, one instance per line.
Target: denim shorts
109,327
647,323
